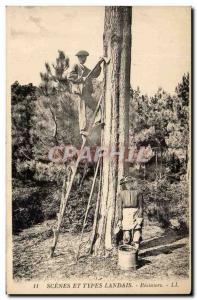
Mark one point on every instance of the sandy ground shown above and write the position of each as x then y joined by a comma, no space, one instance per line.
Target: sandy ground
163,255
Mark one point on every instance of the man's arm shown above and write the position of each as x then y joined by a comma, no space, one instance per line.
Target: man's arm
140,203
73,75
139,219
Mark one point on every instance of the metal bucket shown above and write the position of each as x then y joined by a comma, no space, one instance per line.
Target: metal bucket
127,257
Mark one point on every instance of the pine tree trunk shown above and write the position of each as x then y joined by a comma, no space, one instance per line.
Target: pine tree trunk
115,136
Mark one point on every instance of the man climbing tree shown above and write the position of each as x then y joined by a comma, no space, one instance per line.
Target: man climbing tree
82,88
117,47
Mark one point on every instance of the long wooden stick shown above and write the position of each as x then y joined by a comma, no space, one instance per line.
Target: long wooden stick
88,207
61,214
62,195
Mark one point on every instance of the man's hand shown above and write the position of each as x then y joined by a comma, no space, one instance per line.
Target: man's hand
100,59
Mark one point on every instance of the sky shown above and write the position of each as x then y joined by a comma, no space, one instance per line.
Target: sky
161,42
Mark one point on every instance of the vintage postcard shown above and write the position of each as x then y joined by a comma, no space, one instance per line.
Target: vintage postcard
99,150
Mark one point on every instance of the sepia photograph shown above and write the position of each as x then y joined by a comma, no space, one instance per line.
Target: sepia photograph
99,160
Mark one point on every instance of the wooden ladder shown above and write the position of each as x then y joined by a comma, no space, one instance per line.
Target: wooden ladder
64,200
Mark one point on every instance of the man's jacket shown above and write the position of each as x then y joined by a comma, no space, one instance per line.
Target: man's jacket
129,208
76,73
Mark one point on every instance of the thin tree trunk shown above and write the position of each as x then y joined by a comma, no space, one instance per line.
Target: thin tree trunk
115,136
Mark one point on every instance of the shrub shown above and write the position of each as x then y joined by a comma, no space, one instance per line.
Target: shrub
164,201
32,205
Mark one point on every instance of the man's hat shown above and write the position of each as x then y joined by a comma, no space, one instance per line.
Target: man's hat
126,179
82,52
